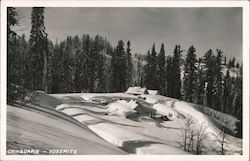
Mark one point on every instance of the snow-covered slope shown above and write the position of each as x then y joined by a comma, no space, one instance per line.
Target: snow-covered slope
31,128
112,123
150,134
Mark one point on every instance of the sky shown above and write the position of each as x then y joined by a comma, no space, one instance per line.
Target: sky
205,28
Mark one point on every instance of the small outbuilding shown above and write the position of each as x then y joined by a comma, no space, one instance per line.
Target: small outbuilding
137,90
153,92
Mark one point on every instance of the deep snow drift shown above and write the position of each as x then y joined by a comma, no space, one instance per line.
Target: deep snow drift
27,129
119,122
111,123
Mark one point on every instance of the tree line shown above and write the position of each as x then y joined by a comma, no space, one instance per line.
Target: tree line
92,64
209,80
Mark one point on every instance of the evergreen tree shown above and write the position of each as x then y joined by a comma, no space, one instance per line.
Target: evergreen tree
119,68
38,51
200,83
56,69
169,77
161,71
151,69
11,44
209,61
217,89
153,84
23,60
139,71
11,21
98,62
176,72
226,94
190,75
129,66
147,70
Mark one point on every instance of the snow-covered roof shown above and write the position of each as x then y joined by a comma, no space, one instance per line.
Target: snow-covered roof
136,90
153,92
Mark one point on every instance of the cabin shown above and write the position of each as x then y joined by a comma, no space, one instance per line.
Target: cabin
153,92
137,90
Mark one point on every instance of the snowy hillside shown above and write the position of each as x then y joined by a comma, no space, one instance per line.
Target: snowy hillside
113,123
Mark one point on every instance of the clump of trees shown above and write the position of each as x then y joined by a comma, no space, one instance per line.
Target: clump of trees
92,64
193,138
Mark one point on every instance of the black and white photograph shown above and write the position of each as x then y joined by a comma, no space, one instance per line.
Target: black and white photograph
154,80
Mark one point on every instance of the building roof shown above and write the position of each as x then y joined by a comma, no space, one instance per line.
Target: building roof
136,90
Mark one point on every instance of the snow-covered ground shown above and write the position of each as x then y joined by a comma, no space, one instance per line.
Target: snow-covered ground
35,129
112,124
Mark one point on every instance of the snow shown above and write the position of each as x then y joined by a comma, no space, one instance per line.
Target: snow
72,111
165,110
122,107
84,118
211,129
153,149
37,129
151,100
114,134
87,97
201,119
233,72
96,128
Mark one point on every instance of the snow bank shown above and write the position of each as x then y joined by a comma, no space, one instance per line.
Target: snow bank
115,134
149,121
62,106
160,149
165,110
170,103
122,107
37,129
151,100
87,97
85,117
200,118
72,111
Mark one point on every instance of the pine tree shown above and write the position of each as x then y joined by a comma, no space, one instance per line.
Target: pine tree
200,83
56,69
38,50
11,21
11,44
176,72
154,84
217,93
161,75
119,68
169,77
129,66
99,58
139,71
23,60
147,70
226,94
151,69
190,75
209,61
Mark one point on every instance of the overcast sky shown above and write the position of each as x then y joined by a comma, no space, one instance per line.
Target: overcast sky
205,28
